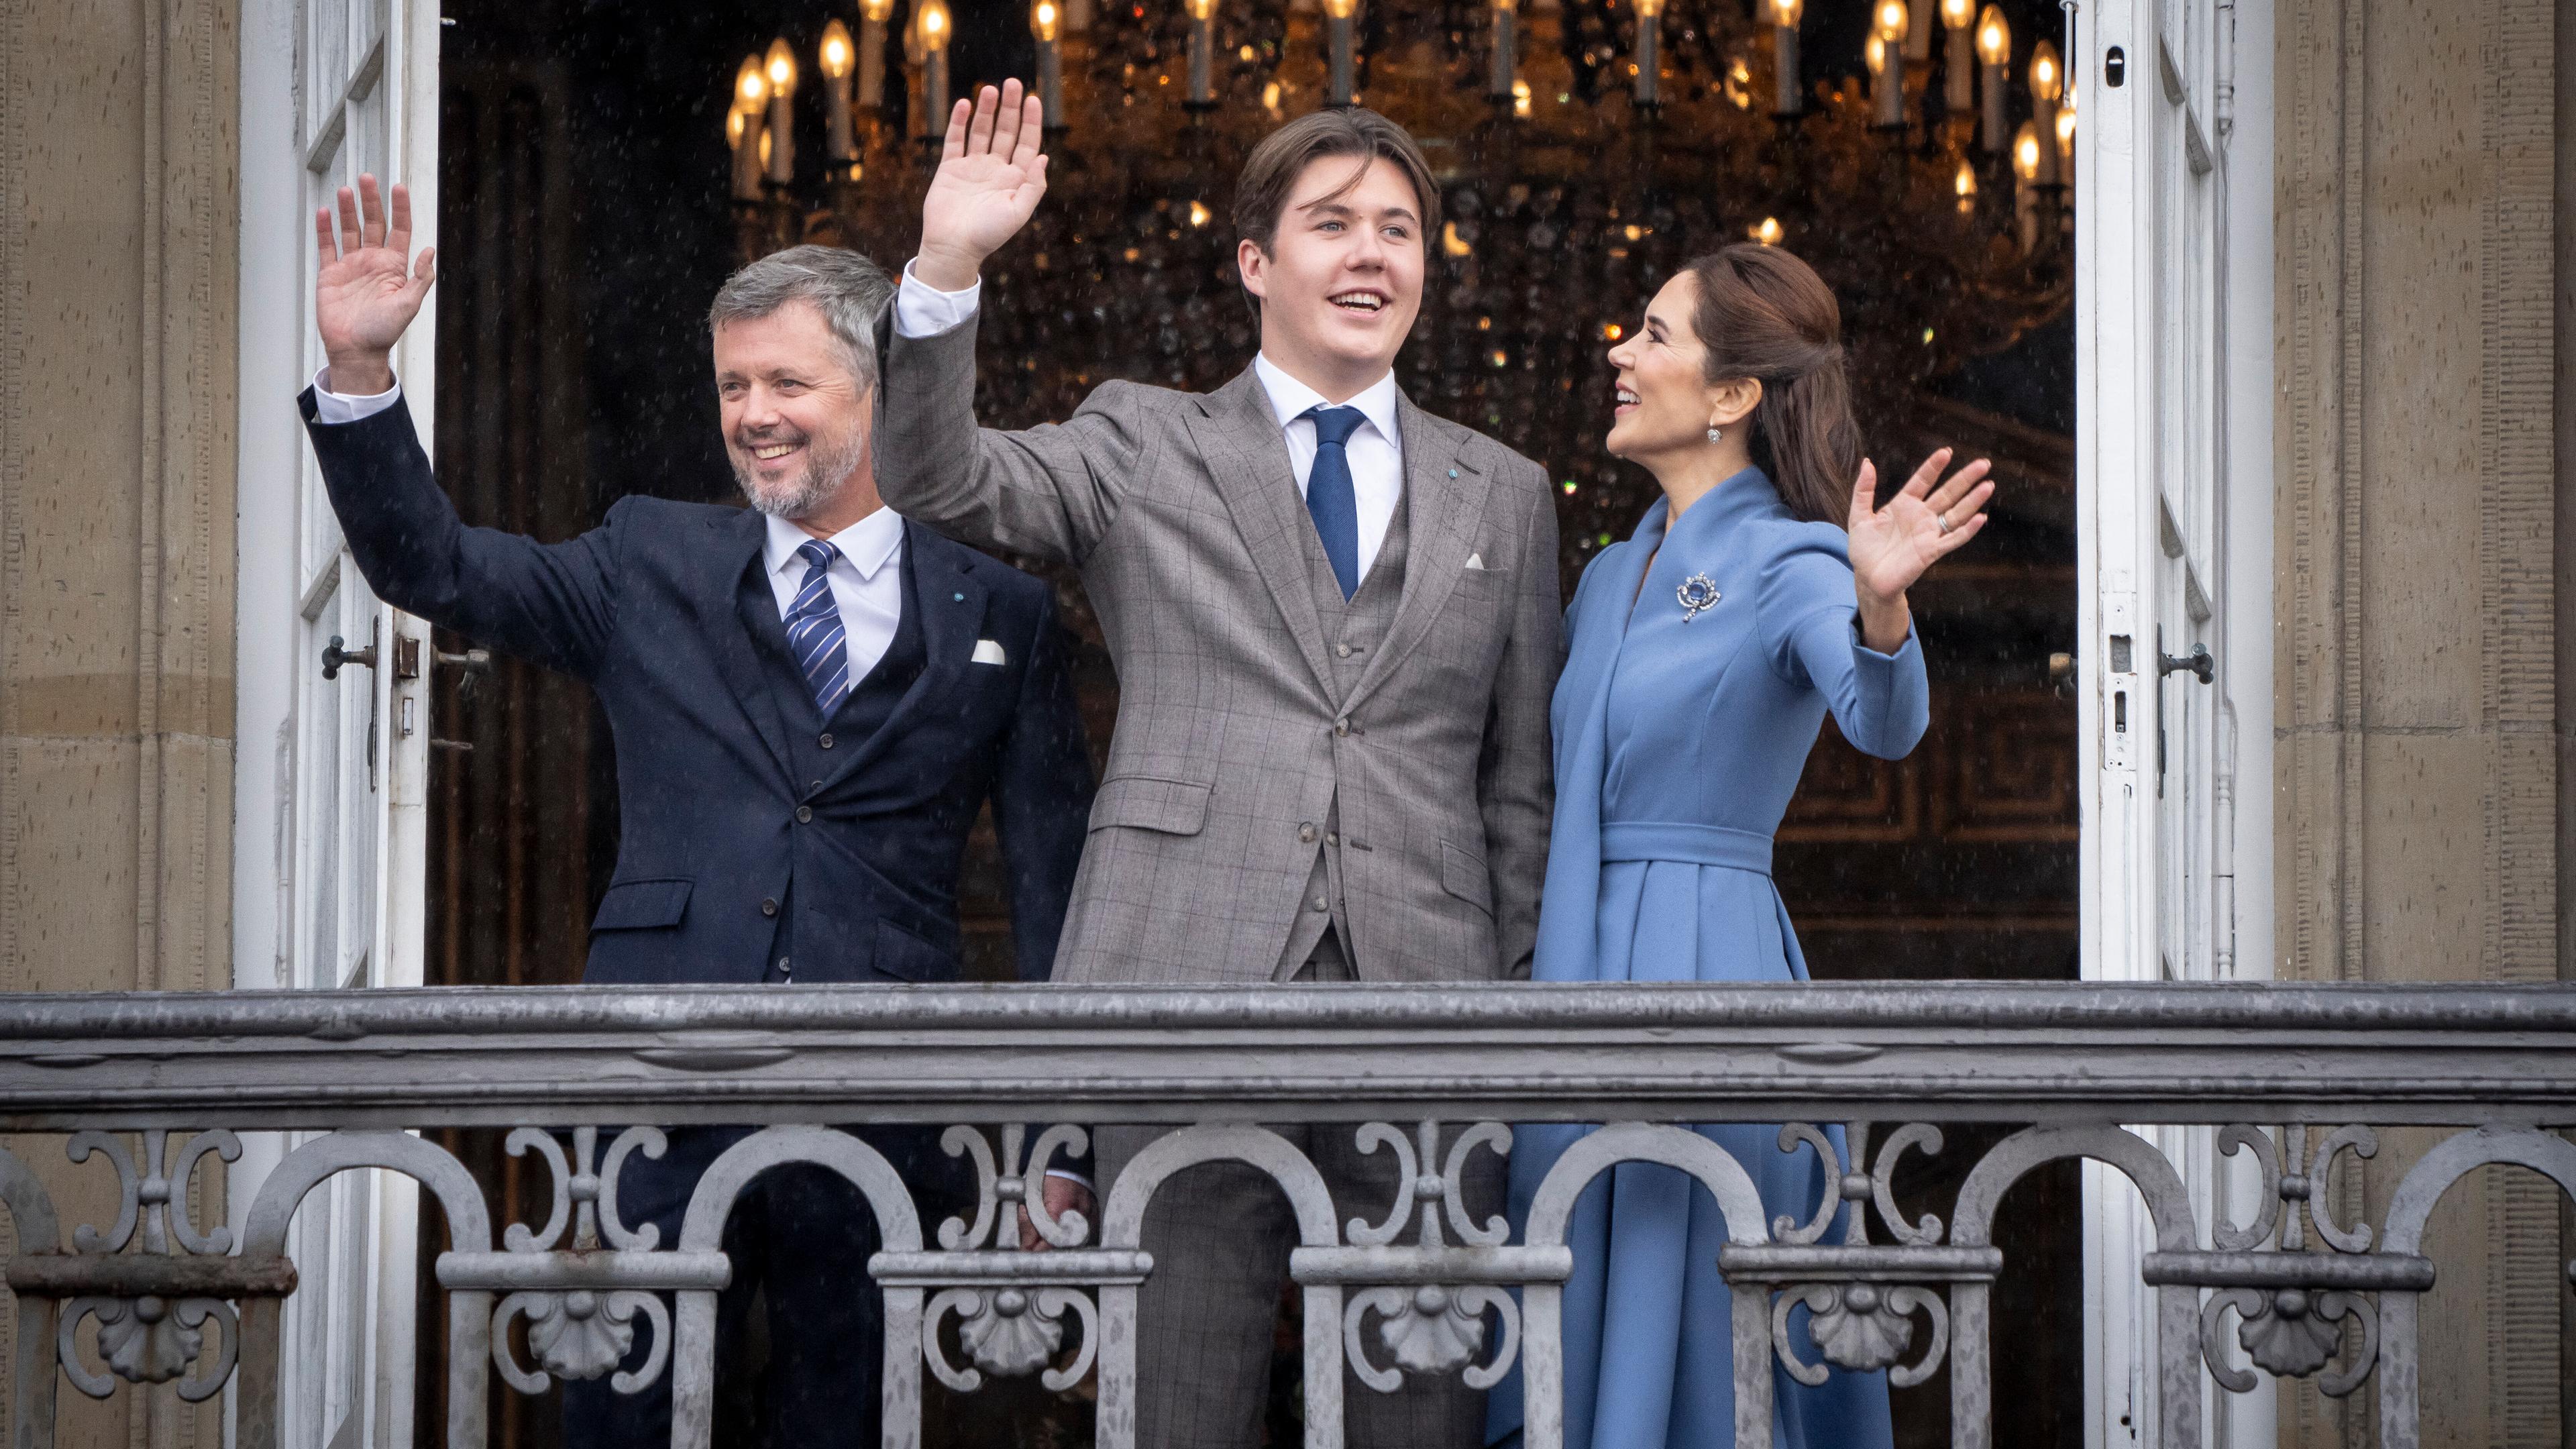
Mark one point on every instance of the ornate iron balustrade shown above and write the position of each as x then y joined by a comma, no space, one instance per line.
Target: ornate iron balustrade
1413,1293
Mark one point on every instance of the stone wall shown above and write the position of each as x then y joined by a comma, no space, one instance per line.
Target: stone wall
2417,802
118,340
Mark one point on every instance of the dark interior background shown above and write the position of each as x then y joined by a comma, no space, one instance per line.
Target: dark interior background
584,225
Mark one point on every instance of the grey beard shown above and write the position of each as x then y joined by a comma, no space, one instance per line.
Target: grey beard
800,496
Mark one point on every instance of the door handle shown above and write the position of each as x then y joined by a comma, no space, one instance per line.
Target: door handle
2197,663
333,656
470,666
2061,675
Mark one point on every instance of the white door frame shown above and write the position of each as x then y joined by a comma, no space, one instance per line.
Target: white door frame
275,660
2131,930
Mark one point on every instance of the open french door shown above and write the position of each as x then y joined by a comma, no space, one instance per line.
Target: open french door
2157,871
367,99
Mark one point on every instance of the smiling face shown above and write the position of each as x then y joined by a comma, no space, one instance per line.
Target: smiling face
795,419
1663,403
1342,279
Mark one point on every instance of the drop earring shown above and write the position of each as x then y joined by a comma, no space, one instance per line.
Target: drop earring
1714,434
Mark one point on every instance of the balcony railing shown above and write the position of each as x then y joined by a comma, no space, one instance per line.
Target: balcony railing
2293,1078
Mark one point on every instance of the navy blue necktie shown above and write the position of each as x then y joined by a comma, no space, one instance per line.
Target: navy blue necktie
814,629
1329,496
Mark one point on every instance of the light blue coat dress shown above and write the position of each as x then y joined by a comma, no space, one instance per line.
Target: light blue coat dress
1680,736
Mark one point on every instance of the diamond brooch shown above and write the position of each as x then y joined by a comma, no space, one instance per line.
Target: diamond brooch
1697,592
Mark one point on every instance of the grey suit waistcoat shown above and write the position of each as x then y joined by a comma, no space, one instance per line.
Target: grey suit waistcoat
1353,630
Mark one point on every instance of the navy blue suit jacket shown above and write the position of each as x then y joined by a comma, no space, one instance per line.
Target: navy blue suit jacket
736,837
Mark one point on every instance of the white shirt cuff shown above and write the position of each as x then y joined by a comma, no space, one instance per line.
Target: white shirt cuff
1076,1178
922,310
341,407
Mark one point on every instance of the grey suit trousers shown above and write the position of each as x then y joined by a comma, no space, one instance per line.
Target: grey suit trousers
1220,1234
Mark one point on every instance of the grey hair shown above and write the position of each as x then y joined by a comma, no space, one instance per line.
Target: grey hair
847,288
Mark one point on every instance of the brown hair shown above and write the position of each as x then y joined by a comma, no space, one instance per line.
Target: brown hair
1766,315
1261,191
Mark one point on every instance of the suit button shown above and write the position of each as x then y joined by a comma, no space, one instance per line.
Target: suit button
1341,651
825,742
1341,727
769,907
1333,839
804,814
1321,904
783,969
1306,834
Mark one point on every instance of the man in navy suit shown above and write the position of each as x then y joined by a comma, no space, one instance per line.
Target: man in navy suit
812,700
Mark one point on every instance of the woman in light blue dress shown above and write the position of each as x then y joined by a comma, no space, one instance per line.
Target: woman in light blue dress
1764,589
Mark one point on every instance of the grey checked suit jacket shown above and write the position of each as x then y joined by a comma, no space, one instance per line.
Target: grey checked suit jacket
1183,513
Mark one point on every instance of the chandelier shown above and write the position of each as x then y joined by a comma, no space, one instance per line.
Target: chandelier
1586,149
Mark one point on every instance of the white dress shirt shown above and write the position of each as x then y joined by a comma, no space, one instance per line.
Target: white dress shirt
865,583
1375,450
869,594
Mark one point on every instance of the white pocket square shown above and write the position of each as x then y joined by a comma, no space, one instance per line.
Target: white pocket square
987,651
1476,561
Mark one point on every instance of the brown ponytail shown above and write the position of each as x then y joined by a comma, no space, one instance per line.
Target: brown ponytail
1766,315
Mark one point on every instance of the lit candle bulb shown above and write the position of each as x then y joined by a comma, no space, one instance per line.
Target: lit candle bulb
1994,48
782,117
1503,62
2047,79
1965,184
1202,52
1649,91
1887,62
929,45
872,38
837,56
1046,22
1766,231
2066,140
743,127
2025,159
1788,96
1958,17
1337,43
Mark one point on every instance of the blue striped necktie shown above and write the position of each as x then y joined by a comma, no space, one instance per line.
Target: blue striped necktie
1329,495
814,629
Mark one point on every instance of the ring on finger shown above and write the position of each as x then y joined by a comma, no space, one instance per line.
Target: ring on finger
1942,519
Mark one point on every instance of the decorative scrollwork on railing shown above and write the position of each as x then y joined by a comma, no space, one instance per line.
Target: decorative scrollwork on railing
1010,1333
1431,1329
1859,1300
148,1337
581,1334
2289,1333
1861,1326
1011,1305
1919,1136
2226,1235
581,1301
1002,1186
1435,1323
2310,1187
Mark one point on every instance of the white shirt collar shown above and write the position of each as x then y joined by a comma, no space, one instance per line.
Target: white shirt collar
1290,398
868,544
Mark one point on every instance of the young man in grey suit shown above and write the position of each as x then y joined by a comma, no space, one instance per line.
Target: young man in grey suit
1336,628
